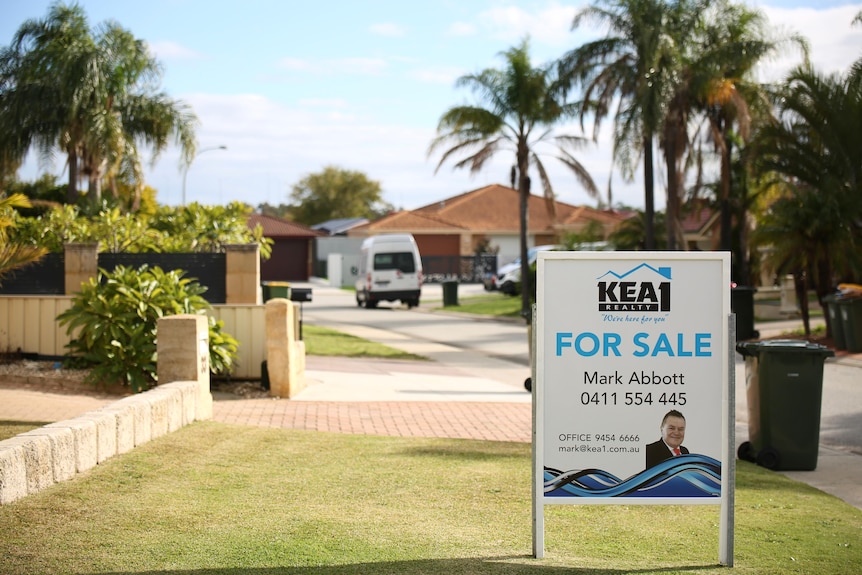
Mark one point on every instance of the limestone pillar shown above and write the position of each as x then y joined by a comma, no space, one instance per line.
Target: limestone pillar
285,353
81,263
242,284
183,355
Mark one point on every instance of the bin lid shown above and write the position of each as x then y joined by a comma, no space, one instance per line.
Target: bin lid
276,284
782,346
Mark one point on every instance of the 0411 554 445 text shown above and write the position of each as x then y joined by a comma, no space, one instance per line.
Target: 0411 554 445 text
633,398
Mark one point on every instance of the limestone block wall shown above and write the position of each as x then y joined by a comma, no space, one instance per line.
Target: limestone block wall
32,461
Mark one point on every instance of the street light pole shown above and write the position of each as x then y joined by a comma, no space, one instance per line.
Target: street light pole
186,171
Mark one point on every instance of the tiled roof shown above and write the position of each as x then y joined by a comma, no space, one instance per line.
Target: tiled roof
406,220
274,227
493,208
698,219
586,213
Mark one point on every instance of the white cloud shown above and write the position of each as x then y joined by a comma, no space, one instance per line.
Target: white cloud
837,43
167,50
550,26
388,29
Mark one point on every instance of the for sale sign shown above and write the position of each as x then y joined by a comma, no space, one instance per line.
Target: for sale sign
631,377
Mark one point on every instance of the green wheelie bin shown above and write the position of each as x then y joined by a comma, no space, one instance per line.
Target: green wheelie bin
450,293
784,388
835,321
850,309
272,290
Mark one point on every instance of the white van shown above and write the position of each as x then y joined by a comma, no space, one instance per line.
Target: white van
390,269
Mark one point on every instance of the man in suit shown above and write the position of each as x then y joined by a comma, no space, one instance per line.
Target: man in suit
670,444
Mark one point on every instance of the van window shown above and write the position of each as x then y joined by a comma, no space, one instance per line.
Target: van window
403,261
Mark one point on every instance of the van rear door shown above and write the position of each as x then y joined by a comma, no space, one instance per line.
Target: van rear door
394,271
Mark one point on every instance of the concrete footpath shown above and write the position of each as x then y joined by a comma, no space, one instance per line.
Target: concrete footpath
466,394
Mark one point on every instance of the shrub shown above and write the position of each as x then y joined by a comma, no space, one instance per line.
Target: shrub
113,323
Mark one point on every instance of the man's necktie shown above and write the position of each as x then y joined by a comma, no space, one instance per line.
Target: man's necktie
676,450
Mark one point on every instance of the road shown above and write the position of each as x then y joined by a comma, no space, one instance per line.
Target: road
488,348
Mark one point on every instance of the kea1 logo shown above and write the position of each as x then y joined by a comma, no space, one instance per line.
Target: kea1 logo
645,293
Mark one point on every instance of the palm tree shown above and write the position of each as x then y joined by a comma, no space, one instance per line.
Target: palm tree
688,30
91,96
520,109
634,66
803,231
735,40
630,235
816,147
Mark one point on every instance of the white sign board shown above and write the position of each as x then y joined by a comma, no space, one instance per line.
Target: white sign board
631,363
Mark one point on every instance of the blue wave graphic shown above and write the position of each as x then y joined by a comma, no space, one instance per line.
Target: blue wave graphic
691,475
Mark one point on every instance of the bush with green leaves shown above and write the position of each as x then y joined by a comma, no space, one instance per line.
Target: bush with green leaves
185,229
113,324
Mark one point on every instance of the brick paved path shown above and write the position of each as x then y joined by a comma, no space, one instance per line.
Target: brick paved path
486,421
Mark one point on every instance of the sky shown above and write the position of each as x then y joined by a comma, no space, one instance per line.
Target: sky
290,87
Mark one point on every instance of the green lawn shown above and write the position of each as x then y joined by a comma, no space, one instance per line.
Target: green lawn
214,499
492,304
329,342
12,428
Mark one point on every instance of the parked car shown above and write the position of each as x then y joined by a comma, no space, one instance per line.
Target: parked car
508,277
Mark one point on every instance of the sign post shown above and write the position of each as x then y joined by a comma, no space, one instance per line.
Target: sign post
632,395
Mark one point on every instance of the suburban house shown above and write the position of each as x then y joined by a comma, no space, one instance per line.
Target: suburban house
701,228
291,248
458,225
454,226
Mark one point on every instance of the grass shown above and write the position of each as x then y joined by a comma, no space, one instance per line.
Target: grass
12,428
215,499
493,304
329,342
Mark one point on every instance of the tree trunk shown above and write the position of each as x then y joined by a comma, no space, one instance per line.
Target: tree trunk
72,190
726,212
742,216
526,284
649,196
672,195
801,286
94,188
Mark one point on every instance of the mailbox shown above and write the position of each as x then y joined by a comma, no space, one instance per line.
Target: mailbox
300,294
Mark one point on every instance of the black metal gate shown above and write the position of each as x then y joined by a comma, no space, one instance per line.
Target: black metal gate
45,277
208,269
